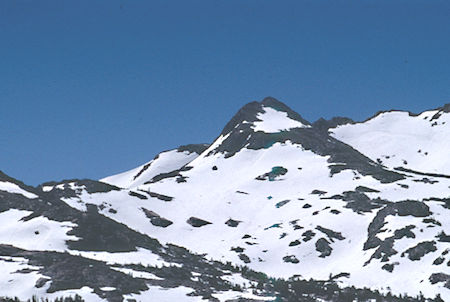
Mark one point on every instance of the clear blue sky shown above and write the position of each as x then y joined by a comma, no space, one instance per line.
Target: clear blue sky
92,88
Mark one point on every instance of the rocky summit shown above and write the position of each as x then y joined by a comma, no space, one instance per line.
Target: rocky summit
276,208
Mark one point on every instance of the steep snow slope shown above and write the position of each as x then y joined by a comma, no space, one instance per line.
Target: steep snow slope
401,139
164,162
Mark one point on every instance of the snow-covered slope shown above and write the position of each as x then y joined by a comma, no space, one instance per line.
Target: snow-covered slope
401,139
164,162
273,192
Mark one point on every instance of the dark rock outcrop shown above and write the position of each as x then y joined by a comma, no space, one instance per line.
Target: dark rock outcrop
197,222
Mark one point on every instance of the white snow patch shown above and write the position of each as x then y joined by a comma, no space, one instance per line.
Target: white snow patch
76,203
230,295
47,188
13,188
141,256
37,234
137,274
14,284
85,292
107,288
238,279
160,294
272,121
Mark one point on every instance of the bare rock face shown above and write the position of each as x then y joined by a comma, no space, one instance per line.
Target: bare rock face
323,247
197,222
156,220
232,223
440,277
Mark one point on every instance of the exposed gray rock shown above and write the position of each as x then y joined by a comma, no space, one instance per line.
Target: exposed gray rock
244,258
418,251
324,125
135,194
388,267
323,246
197,222
440,277
443,237
295,243
160,196
232,223
275,173
308,235
156,220
193,148
405,232
281,203
291,259
41,282
330,233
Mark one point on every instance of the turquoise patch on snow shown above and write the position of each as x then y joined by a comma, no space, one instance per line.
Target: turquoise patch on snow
276,225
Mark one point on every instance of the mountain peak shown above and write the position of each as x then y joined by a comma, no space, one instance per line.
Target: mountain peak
260,125
446,108
279,106
273,102
253,111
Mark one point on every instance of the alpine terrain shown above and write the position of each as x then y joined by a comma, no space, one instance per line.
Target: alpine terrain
276,208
